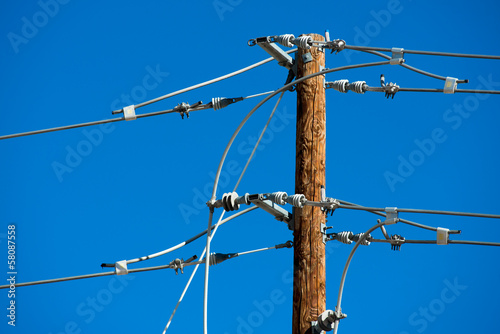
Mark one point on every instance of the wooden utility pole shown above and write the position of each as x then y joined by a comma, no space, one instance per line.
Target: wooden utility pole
309,250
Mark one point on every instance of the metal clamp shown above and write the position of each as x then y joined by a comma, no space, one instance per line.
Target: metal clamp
121,267
396,242
450,85
442,236
129,113
326,321
397,56
392,215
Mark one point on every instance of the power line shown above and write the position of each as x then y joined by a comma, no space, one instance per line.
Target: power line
186,108
462,242
433,212
108,273
405,221
232,74
184,243
338,308
258,141
429,53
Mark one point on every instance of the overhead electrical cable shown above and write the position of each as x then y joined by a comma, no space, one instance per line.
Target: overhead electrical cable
229,75
428,53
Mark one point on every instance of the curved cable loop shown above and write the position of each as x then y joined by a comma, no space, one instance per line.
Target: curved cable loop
258,141
338,309
285,87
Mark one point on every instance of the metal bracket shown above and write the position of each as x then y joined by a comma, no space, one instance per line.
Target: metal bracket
275,51
277,211
397,56
129,113
450,85
392,216
323,233
307,57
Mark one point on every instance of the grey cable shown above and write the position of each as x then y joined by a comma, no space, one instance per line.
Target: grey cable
108,273
207,270
435,76
111,120
462,242
405,221
433,212
285,87
188,241
346,267
258,141
232,74
429,53
432,90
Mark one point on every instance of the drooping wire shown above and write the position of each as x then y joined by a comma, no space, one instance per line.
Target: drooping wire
338,308
429,53
188,241
195,107
414,69
258,141
433,212
405,221
108,273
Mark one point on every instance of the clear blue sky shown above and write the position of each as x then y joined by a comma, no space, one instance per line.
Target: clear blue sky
125,189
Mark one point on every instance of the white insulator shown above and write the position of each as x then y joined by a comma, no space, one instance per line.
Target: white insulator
359,236
357,87
344,237
296,200
216,103
279,197
303,42
229,201
340,85
285,40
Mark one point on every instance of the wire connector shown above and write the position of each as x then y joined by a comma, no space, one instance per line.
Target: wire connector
396,242
442,236
397,56
288,244
129,113
392,215
450,85
121,267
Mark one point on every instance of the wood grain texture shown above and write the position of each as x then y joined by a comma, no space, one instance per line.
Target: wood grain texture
309,250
